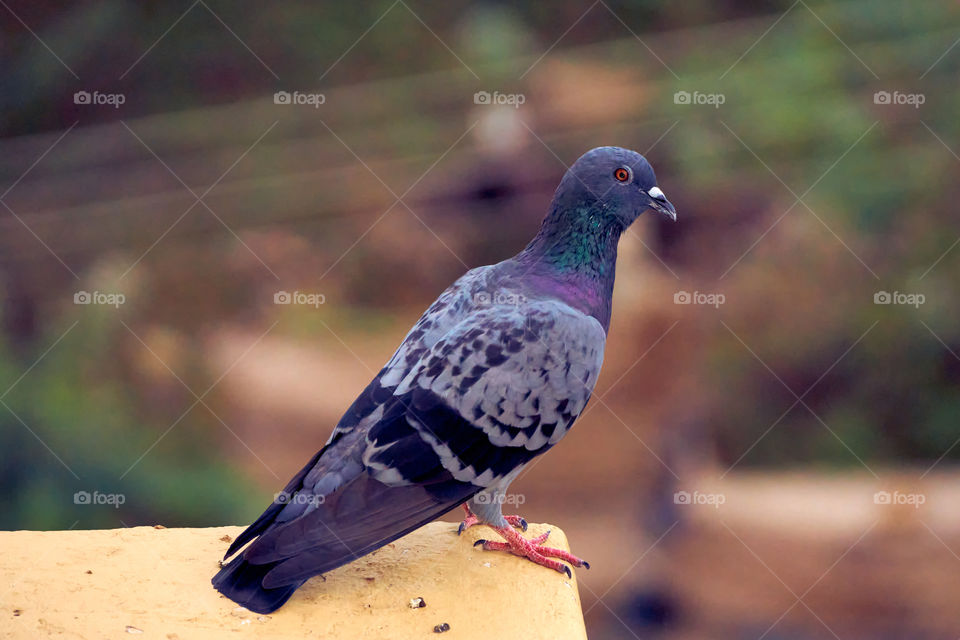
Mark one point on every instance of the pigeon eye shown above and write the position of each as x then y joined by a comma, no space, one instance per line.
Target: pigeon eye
621,174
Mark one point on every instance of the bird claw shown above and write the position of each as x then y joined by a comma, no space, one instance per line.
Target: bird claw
468,522
540,539
533,550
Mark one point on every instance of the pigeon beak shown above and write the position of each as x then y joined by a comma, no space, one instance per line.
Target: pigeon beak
664,207
660,204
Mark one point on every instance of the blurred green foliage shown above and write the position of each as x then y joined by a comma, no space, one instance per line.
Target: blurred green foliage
882,193
96,432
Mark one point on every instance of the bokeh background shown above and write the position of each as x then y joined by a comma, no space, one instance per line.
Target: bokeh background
771,451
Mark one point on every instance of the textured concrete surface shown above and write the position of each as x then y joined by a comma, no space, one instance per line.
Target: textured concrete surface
155,583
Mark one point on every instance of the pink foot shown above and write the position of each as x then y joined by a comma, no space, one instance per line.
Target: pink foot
533,550
470,520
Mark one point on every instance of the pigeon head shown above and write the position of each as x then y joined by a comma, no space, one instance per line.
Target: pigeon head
601,195
574,255
614,182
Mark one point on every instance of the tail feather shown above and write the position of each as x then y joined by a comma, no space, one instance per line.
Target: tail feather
267,517
356,518
242,582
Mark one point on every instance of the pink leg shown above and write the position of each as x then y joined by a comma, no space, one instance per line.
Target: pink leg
533,550
470,520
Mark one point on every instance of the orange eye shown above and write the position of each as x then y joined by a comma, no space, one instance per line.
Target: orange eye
621,174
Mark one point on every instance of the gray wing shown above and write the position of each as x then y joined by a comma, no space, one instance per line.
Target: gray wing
451,308
516,376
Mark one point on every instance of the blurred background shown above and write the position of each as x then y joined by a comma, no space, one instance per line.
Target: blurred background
219,219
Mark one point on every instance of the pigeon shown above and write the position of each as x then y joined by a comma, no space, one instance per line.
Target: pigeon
492,375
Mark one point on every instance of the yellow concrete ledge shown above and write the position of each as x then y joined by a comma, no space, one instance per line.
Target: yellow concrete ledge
155,583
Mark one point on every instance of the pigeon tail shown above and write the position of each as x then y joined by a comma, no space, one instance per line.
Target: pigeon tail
242,581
